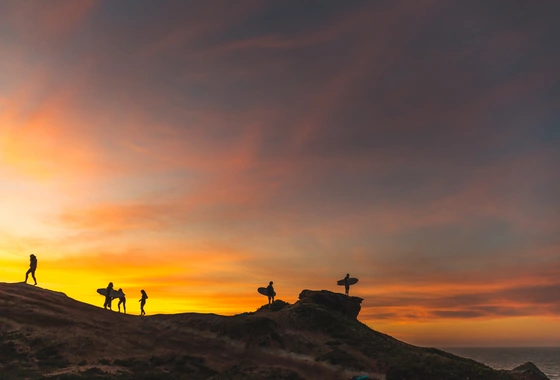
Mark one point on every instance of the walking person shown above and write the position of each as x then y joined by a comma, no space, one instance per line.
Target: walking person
122,300
270,293
32,268
143,302
108,297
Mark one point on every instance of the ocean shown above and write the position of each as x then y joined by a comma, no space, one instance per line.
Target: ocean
546,358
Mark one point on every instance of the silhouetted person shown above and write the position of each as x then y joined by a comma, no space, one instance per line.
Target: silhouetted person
32,268
108,297
142,302
346,284
270,293
122,300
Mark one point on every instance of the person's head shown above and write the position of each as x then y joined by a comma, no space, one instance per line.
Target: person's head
347,274
120,290
32,256
270,283
143,291
110,284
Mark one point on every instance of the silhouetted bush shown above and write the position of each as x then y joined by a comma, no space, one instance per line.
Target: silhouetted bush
275,306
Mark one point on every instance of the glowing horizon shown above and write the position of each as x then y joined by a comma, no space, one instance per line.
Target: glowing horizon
199,151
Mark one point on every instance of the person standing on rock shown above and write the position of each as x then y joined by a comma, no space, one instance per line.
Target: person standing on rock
270,293
346,284
143,302
122,300
108,297
32,268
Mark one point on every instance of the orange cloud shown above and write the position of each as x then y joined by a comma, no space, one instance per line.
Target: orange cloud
40,136
110,218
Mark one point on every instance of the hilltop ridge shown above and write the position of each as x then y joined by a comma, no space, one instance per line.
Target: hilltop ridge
45,334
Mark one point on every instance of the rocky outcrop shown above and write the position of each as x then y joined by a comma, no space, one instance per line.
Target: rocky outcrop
343,304
529,371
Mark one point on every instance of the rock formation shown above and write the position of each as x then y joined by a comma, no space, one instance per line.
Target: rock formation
340,303
529,371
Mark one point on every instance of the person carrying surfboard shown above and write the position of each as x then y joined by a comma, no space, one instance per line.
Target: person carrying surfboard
346,284
122,300
108,297
143,302
270,293
32,268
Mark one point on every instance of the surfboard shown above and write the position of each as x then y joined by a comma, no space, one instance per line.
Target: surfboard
114,293
351,281
263,292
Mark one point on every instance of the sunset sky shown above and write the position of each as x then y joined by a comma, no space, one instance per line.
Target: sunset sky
200,149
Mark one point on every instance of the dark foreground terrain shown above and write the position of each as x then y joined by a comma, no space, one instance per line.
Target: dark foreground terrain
46,335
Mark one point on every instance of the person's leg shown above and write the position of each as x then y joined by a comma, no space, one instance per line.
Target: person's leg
33,275
124,306
27,275
119,305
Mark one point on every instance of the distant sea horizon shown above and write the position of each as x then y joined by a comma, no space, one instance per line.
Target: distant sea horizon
547,359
